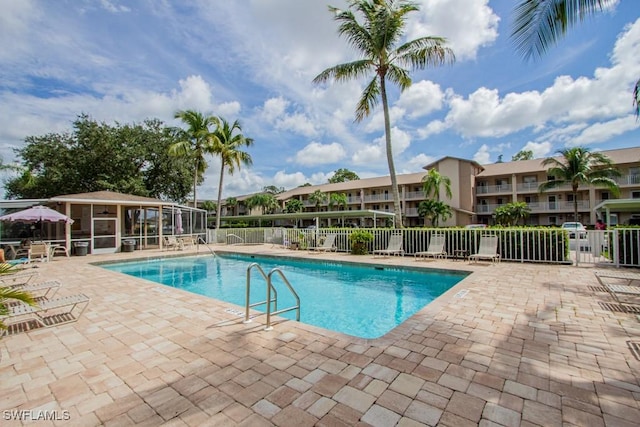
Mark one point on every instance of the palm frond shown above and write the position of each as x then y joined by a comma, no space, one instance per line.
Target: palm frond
369,99
539,24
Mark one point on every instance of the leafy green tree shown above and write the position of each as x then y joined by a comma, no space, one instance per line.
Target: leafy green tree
339,200
522,155
317,198
433,181
265,201
131,159
434,211
539,24
208,205
228,142
377,37
511,213
195,143
293,206
231,203
343,175
579,166
272,189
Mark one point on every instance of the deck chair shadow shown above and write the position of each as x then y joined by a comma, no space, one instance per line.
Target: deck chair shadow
435,249
47,313
329,245
393,248
488,249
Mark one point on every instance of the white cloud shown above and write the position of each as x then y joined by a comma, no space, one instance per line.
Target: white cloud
467,25
482,156
316,154
539,149
421,98
417,163
376,153
601,132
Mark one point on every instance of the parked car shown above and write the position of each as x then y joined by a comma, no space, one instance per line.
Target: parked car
473,226
575,229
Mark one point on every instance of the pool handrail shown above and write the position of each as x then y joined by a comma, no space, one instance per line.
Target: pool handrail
268,302
293,292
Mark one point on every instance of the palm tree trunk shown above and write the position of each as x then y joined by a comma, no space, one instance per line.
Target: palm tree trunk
195,184
392,169
219,207
575,204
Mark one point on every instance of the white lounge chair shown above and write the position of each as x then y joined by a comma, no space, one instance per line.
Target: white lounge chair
172,242
39,251
611,282
329,245
47,313
40,291
435,249
488,249
393,248
18,277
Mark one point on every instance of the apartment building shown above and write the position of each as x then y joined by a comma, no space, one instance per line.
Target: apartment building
477,190
501,183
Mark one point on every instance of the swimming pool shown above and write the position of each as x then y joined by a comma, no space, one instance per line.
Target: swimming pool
365,301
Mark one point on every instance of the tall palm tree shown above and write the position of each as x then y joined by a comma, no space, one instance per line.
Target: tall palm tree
227,143
378,39
196,142
317,198
579,166
541,23
433,181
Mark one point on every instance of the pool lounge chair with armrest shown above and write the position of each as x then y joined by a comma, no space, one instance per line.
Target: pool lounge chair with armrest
329,245
172,242
47,313
435,249
39,251
630,278
42,290
18,277
621,292
488,249
393,248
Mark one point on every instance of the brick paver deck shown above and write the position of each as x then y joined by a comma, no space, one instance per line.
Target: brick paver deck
525,344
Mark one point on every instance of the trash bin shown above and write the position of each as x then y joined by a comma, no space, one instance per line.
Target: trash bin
128,245
81,248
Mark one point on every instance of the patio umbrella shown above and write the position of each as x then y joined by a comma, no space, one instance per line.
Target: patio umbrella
36,214
178,221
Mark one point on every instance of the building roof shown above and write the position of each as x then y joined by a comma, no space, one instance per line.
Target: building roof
108,196
472,162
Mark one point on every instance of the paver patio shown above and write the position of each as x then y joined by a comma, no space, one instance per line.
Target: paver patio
522,344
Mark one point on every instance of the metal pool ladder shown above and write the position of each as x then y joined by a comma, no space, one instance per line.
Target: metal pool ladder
270,299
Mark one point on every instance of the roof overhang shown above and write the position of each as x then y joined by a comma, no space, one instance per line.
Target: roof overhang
618,205
312,215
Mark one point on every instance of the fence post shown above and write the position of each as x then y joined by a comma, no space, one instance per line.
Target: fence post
616,247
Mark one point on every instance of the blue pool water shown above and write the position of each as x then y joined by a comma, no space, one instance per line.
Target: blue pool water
365,301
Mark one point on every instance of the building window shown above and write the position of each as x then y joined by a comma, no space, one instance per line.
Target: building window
605,195
635,194
553,220
551,178
531,179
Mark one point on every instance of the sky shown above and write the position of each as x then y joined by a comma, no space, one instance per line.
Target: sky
255,61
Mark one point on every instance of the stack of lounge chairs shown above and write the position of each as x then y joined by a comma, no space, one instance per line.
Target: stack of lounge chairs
48,310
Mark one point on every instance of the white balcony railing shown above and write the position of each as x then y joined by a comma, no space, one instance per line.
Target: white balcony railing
492,189
539,207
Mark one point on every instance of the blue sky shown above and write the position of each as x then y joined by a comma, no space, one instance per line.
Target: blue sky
254,60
